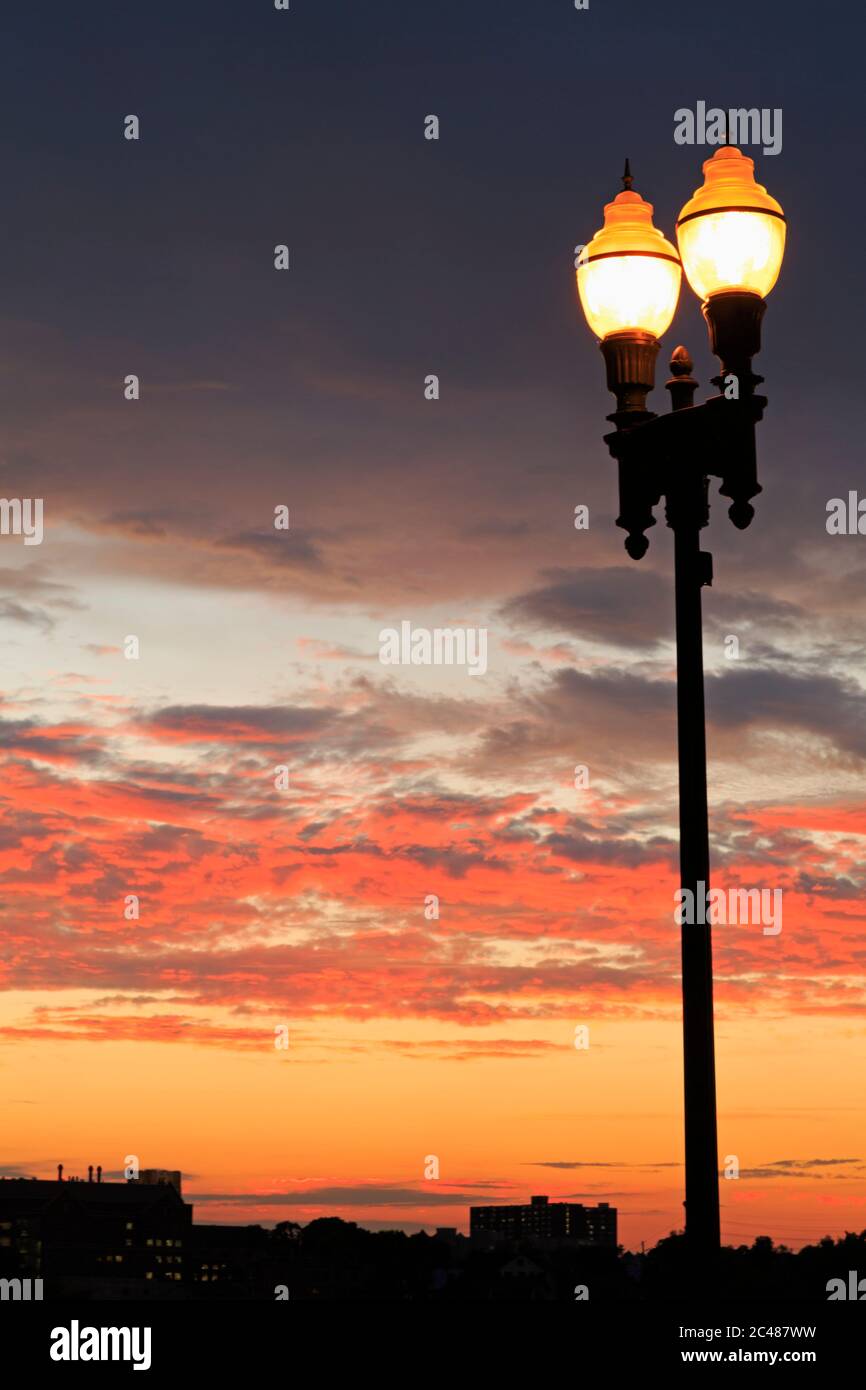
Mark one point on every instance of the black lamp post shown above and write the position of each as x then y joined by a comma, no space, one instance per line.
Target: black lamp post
731,239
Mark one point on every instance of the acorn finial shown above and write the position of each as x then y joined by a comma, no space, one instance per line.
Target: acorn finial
681,362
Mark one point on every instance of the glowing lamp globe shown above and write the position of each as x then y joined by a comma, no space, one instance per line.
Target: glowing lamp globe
628,277
731,234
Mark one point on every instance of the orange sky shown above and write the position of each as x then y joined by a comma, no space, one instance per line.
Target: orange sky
409,1037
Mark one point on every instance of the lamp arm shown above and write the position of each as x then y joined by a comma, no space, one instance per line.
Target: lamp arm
657,456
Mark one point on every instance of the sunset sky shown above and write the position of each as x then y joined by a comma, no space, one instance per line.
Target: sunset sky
259,647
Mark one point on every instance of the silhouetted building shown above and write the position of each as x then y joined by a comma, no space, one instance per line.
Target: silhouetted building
543,1220
87,1234
230,1256
152,1177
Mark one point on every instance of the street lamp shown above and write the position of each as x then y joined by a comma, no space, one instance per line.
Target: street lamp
731,238
731,233
628,279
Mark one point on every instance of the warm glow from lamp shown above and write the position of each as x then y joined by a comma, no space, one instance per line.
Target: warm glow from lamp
628,277
731,234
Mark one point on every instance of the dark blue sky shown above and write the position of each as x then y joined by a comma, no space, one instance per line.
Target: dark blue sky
308,123
409,256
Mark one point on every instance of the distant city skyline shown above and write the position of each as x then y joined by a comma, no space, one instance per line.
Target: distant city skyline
352,1204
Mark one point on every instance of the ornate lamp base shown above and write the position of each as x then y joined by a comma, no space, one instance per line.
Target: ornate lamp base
630,359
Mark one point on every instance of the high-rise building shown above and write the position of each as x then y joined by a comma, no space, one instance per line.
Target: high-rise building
543,1220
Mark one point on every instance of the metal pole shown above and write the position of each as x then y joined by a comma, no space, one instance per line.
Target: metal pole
692,569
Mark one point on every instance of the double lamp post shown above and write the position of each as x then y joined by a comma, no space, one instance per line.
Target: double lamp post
731,238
